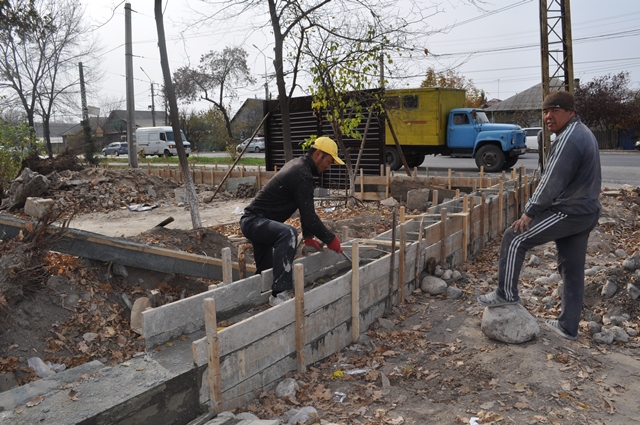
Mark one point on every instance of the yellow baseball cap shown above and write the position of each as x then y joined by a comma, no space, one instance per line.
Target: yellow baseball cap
327,145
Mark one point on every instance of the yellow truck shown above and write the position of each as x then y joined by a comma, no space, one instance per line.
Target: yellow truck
432,121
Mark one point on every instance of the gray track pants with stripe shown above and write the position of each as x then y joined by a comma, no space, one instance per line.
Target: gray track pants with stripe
571,234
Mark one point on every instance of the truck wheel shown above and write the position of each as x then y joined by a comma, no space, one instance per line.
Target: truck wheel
167,154
510,162
491,158
415,160
392,158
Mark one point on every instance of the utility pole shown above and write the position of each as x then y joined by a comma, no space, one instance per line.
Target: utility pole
153,104
557,53
131,106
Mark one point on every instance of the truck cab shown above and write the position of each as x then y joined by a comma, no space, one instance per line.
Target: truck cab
494,146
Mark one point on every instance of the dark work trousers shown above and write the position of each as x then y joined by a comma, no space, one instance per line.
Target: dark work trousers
272,239
571,234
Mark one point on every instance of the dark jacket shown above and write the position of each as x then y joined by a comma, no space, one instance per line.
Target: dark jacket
291,189
571,181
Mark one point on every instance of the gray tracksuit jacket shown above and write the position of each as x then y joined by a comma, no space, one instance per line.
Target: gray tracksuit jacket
571,181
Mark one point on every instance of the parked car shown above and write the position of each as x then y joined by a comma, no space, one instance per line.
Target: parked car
256,145
531,138
116,148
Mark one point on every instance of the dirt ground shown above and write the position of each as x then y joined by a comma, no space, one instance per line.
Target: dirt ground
426,363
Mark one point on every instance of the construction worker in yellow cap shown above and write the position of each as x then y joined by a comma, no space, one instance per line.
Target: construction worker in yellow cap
290,189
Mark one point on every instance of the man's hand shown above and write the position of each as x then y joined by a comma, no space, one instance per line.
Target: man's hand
335,245
313,243
522,225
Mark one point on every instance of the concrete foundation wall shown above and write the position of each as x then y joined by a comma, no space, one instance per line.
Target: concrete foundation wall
172,385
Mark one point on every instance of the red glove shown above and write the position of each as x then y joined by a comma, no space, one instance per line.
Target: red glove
313,243
334,245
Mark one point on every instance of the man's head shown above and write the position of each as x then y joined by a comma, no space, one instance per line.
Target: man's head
324,152
558,107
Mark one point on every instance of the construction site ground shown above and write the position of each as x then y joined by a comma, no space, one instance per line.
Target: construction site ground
426,362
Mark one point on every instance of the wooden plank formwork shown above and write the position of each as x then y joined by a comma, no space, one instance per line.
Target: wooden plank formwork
256,352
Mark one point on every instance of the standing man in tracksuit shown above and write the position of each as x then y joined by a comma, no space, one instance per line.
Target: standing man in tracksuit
290,189
564,208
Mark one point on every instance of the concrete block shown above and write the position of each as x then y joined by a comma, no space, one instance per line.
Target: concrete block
418,199
231,185
37,207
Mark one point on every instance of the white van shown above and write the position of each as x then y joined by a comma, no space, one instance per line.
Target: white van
159,141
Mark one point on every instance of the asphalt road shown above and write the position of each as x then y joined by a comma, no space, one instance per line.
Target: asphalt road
618,167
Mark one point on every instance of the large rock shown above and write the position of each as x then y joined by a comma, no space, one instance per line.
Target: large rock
512,324
433,285
418,199
28,184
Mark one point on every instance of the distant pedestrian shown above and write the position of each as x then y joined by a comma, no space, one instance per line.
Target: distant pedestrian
564,208
290,189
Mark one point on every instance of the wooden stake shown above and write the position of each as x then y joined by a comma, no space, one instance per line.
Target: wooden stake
213,355
361,184
242,261
387,183
443,237
402,263
500,206
449,179
298,281
259,177
465,227
472,226
483,215
355,291
226,265
345,233
418,252
392,262
402,211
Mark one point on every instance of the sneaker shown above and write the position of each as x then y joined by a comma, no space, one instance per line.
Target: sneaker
492,299
280,298
555,326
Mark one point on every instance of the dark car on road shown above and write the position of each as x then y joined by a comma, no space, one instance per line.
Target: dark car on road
116,148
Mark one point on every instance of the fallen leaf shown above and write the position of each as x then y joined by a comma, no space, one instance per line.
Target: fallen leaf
35,401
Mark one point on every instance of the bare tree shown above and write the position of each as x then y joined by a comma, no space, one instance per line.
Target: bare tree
223,72
293,22
39,67
192,200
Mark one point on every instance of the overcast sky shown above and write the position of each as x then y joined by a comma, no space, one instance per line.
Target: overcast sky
498,48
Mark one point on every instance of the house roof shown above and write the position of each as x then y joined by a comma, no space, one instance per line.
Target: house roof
530,99
56,129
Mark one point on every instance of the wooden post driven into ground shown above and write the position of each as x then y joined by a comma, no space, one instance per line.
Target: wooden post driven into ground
298,282
402,263
226,265
213,350
355,291
392,262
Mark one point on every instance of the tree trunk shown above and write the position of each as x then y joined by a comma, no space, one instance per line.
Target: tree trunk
283,97
190,189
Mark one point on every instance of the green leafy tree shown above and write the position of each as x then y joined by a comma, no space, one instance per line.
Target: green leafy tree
14,143
292,23
341,71
474,97
609,102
